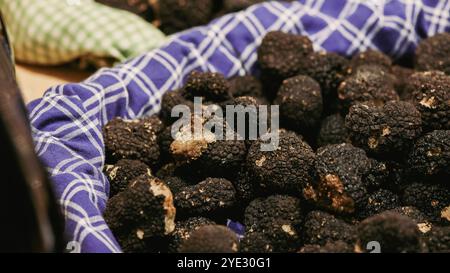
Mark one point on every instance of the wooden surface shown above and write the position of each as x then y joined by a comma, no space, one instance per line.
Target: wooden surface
34,80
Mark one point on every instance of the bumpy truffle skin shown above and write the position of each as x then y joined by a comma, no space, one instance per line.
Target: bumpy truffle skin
286,169
431,154
434,53
321,227
422,221
123,172
340,170
169,101
431,95
329,70
300,101
367,83
210,198
246,188
372,57
183,230
177,15
384,131
402,75
237,5
276,221
280,57
433,200
245,86
136,139
211,239
207,155
175,184
329,247
377,202
333,131
212,86
141,213
394,232
438,240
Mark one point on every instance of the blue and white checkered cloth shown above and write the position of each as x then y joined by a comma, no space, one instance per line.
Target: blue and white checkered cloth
67,121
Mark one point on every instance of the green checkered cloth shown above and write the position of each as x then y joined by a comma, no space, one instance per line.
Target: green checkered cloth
54,32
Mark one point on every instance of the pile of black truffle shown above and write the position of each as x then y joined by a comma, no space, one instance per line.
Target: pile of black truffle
363,159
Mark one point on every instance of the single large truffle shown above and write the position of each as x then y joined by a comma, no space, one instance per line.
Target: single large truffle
141,214
177,15
340,185
211,198
273,224
434,53
430,92
183,230
367,83
280,56
321,228
132,139
300,101
288,167
430,155
123,172
392,232
431,199
386,131
211,239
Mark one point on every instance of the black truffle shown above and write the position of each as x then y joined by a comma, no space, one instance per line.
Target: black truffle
422,221
321,227
123,172
211,239
401,78
431,199
177,15
287,168
372,57
273,224
377,202
237,5
333,131
183,230
329,247
175,184
438,240
340,185
367,83
169,101
386,131
212,198
395,233
132,139
141,214
300,101
245,86
431,96
430,155
434,53
212,86
329,70
276,48
204,153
